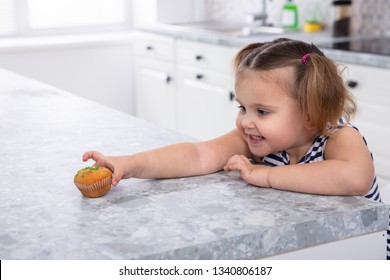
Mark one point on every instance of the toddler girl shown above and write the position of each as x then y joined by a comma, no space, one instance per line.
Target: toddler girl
292,130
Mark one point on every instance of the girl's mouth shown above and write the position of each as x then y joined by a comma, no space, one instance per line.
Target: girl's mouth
255,138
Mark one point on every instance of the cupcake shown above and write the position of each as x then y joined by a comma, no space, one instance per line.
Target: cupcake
93,181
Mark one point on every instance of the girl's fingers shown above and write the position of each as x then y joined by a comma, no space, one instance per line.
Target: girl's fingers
91,155
101,160
115,180
233,165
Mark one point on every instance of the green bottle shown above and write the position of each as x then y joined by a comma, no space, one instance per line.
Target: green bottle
290,15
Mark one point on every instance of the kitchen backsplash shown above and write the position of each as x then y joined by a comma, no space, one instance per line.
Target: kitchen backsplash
372,17
369,16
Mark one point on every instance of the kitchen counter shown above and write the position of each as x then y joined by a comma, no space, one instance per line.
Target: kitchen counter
318,38
43,134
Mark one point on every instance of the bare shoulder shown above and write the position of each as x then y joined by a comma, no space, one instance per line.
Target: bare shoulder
346,142
347,147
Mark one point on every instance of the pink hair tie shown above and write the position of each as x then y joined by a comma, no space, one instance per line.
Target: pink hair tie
304,58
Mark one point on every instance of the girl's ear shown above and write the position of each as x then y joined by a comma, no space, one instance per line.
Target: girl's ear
308,122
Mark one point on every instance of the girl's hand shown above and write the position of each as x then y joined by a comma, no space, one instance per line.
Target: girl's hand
109,162
250,173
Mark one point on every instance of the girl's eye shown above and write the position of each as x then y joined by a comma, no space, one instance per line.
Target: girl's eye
242,108
262,112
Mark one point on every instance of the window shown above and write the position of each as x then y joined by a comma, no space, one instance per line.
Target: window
7,18
32,17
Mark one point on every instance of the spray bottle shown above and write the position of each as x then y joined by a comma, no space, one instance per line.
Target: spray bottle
290,15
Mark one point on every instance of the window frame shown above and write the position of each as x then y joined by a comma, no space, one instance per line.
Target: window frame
22,28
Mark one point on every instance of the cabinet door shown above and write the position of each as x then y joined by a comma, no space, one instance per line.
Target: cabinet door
206,56
371,88
206,106
155,91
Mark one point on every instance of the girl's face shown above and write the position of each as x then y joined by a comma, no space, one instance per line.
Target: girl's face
270,119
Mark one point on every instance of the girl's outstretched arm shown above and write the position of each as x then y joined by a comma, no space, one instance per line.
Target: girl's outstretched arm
178,160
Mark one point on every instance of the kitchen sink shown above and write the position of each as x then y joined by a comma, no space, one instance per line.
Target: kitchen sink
226,28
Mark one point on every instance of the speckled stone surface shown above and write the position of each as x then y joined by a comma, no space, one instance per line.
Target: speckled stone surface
368,59
44,132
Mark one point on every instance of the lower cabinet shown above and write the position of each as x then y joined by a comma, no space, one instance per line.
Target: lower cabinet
205,103
184,85
371,88
205,99
156,92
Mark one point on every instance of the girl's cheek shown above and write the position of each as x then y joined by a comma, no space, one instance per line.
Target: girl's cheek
238,121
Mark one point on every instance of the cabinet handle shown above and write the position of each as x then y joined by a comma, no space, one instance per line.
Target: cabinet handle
199,76
232,96
352,84
168,79
199,57
149,48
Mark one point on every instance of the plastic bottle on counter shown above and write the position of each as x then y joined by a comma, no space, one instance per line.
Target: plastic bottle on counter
290,15
313,18
341,22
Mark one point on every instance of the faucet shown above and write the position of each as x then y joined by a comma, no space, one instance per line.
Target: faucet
259,18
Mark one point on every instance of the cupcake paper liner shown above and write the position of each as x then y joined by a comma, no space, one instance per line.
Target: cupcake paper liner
97,189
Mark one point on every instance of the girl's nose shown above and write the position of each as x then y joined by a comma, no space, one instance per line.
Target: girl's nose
247,122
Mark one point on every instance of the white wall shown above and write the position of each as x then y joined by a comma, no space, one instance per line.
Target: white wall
234,10
99,71
148,12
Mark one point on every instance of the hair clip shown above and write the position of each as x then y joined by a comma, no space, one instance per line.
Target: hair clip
304,58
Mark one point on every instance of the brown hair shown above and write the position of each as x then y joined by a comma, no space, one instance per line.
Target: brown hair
319,87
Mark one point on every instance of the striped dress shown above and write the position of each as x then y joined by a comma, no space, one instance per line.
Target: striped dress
315,154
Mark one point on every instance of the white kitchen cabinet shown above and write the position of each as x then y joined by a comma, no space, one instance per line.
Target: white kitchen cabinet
371,87
206,106
155,81
155,93
205,100
364,247
184,85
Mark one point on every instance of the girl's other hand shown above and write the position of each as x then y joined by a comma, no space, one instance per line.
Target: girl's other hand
240,163
250,173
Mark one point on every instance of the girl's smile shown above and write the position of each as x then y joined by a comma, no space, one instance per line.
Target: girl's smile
254,139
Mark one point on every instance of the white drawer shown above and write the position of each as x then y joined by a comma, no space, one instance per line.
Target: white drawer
372,83
154,46
206,77
211,57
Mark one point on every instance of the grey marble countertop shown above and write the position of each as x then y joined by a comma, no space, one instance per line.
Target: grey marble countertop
43,133
324,37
